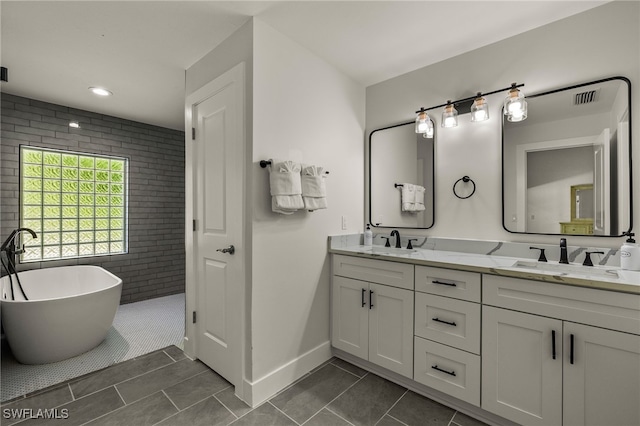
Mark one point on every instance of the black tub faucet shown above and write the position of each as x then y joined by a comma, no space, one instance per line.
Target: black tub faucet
397,235
563,251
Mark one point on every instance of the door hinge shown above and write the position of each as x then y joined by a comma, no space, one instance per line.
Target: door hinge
193,133
194,317
195,226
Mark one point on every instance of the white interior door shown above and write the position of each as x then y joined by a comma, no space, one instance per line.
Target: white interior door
601,184
218,205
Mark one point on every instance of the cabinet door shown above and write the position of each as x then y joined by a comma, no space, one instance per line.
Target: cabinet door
520,379
391,329
349,318
602,385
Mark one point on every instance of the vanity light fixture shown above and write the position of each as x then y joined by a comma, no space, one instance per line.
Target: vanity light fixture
479,109
424,124
74,124
515,106
449,115
100,91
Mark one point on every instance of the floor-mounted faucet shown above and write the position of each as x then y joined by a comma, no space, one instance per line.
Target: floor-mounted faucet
563,251
397,235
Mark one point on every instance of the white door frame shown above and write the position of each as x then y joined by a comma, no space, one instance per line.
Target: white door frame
236,73
521,170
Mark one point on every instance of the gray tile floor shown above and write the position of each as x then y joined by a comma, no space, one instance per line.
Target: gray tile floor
167,388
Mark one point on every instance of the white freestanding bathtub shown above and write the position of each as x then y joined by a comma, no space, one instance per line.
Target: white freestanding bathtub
69,311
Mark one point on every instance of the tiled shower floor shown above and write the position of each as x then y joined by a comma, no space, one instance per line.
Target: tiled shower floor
166,388
138,328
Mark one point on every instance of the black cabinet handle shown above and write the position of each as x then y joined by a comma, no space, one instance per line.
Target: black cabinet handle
444,322
571,353
553,344
370,299
443,283
363,302
451,373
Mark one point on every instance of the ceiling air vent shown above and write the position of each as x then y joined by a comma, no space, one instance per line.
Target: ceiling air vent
586,97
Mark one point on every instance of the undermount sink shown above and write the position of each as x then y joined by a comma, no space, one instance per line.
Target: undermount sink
566,269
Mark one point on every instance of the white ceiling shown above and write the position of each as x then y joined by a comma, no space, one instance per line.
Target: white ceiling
55,50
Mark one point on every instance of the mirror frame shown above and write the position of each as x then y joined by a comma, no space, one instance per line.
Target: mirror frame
630,159
433,179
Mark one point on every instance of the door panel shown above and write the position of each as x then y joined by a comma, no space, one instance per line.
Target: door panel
520,379
391,328
350,318
602,386
218,153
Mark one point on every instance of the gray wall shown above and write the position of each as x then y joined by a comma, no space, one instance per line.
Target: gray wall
155,264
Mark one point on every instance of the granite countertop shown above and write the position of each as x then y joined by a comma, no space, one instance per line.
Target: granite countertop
599,277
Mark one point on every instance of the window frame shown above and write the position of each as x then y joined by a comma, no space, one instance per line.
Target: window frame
22,191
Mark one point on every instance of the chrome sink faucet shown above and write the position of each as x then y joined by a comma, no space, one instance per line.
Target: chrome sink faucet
397,235
563,251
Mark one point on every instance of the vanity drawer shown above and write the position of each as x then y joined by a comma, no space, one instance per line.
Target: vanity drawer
375,271
449,370
449,321
601,308
448,282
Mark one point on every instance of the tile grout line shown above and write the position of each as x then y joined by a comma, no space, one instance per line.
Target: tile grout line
170,357
343,369
338,396
171,401
333,412
396,419
224,405
118,392
391,408
73,397
269,402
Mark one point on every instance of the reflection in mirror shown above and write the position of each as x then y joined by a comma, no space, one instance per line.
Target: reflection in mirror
567,168
397,155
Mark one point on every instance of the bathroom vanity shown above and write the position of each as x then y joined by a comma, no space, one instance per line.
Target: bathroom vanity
500,338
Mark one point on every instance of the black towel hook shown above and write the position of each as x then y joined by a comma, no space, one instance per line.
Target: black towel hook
464,179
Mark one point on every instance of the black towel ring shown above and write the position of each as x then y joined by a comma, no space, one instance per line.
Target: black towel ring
464,179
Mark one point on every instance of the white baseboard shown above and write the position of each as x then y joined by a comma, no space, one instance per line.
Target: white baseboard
265,387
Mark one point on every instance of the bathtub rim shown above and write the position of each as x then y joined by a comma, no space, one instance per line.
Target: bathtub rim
5,279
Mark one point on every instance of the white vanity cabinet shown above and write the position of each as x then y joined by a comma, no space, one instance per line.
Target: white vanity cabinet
372,311
447,330
560,355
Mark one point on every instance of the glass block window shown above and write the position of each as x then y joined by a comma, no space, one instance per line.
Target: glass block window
75,202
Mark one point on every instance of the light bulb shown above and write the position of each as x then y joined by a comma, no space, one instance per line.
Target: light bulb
479,109
424,124
449,116
100,91
515,105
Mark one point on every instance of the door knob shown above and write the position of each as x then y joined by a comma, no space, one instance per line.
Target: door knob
231,249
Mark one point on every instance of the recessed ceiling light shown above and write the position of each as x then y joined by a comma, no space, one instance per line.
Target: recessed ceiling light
74,124
100,91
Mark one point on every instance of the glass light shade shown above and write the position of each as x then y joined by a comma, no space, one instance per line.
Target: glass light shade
449,116
515,106
424,124
479,109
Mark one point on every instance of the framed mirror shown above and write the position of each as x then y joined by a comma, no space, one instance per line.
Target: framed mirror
566,169
401,160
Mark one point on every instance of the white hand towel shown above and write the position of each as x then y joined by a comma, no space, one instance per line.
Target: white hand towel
314,190
412,198
408,197
285,186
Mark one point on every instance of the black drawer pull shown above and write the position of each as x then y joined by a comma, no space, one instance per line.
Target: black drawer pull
451,373
370,299
553,344
444,322
443,283
363,302
571,354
